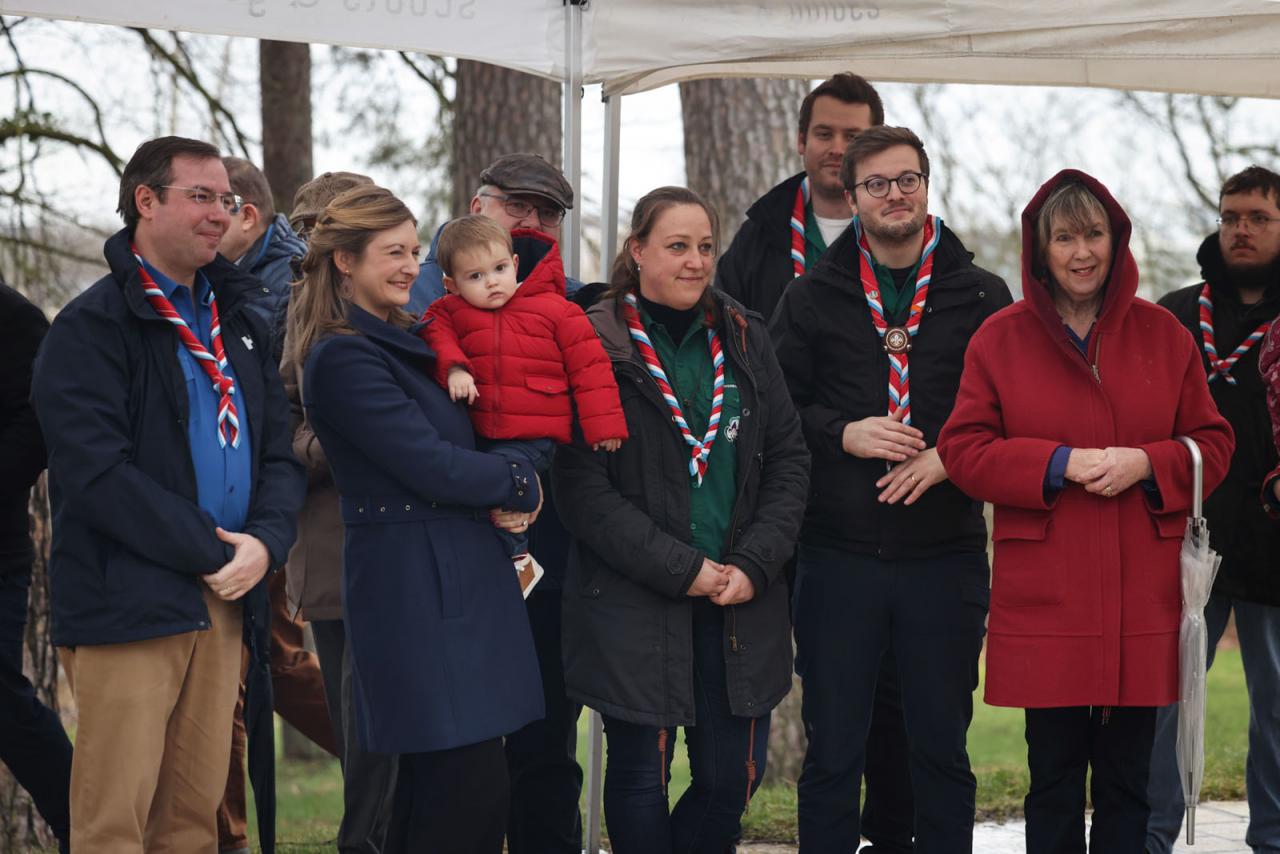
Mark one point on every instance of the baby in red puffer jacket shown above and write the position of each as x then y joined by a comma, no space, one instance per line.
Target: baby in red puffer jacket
519,353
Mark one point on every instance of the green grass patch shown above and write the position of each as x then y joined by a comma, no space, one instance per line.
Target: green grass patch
309,794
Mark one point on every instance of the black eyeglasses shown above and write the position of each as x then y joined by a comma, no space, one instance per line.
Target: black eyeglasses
230,202
1254,221
548,215
878,187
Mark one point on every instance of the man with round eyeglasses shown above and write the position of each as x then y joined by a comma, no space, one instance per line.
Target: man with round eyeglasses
892,556
516,191
1230,313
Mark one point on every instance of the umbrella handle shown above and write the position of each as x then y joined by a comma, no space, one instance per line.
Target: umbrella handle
1197,476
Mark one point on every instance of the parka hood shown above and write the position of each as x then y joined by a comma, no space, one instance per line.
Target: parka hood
1121,285
540,268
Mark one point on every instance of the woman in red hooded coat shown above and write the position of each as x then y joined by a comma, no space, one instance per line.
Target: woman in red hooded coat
1066,421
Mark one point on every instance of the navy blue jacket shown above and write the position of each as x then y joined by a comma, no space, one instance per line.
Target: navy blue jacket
130,541
271,260
438,633
22,326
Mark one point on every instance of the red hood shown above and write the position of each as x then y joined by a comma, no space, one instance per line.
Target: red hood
1122,281
540,268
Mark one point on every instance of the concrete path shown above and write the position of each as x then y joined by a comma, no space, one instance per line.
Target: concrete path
1220,827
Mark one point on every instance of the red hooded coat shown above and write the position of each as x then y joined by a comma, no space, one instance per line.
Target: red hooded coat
1085,592
526,355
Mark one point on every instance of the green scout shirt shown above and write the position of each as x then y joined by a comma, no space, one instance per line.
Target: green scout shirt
814,243
896,300
692,377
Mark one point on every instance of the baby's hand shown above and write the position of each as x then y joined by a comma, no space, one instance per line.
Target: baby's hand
609,445
462,386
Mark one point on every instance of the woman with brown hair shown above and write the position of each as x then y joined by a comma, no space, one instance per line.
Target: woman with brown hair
441,652
675,609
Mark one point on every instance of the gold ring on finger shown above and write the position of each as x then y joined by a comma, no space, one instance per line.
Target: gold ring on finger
1107,491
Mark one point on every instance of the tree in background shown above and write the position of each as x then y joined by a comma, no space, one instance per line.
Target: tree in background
497,111
285,86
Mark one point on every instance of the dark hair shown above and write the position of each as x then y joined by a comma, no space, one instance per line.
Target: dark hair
871,142
847,87
1254,178
248,182
467,234
624,277
152,166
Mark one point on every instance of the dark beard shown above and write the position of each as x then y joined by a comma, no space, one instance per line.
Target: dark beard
899,232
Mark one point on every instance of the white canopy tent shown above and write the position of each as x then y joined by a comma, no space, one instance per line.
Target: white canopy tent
1230,48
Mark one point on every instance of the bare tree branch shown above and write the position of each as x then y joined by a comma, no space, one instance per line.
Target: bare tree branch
433,79
180,61
18,128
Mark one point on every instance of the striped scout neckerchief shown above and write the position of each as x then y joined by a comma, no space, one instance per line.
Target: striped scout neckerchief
1222,367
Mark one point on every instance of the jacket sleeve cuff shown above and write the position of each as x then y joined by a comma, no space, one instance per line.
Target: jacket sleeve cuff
1055,478
753,570
524,487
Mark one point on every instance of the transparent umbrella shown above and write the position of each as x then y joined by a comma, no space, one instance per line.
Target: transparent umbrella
1199,565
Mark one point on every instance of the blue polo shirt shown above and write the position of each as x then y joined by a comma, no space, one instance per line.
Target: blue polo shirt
223,475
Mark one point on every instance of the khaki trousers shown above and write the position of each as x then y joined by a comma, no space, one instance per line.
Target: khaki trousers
154,736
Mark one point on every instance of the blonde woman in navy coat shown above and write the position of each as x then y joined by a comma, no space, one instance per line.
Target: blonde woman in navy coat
442,654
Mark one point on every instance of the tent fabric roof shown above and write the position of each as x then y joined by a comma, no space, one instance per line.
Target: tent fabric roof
1228,48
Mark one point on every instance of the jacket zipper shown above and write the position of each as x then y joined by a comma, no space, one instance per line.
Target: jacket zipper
1097,357
497,359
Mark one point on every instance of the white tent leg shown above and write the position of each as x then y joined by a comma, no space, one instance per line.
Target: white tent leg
608,248
571,238
609,184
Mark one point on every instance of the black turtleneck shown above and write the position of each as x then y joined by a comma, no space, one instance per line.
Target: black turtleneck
675,320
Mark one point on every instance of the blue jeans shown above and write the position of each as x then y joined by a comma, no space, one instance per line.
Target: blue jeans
32,742
1258,627
850,610
536,452
708,816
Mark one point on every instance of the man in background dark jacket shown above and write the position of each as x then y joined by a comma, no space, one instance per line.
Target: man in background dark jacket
264,245
1241,269
32,742
174,491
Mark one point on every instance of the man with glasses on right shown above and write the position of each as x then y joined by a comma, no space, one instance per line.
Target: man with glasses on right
892,557
1228,314
516,191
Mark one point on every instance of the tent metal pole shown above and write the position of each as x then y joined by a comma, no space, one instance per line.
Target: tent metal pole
571,242
609,185
608,248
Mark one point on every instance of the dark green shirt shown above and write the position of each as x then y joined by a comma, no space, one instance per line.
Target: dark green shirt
692,378
814,243
895,298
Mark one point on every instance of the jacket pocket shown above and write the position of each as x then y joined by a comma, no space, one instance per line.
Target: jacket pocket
547,385
1028,569
1170,525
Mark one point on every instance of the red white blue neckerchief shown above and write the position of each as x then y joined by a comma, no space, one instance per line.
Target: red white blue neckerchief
214,364
799,213
1222,367
701,450
899,378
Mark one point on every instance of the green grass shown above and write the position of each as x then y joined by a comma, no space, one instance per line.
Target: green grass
309,795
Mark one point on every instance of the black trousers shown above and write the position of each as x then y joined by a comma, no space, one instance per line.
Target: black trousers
888,810
32,742
457,799
849,611
541,757
1062,745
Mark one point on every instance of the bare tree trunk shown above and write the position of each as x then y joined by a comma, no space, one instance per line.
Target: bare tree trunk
498,111
21,827
739,140
285,70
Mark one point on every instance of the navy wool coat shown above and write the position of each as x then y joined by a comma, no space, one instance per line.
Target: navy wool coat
438,633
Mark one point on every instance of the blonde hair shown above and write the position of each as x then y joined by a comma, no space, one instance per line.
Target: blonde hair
467,234
318,305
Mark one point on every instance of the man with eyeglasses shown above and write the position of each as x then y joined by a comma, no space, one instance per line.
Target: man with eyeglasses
516,191
1228,314
892,556
174,491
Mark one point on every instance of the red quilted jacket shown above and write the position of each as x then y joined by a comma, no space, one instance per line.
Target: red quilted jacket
528,355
